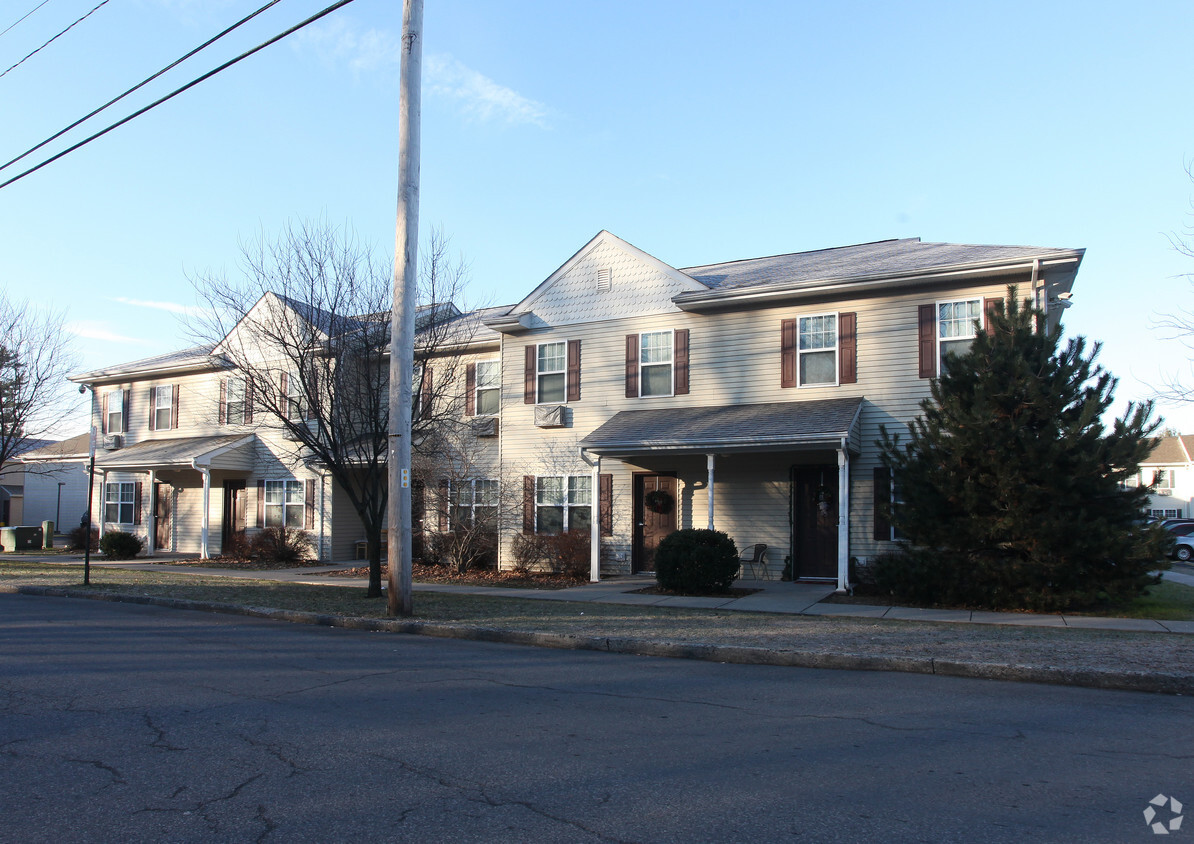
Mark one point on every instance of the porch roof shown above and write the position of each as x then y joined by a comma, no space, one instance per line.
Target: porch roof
181,453
782,426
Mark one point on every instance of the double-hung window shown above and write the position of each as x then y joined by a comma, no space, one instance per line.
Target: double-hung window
234,397
474,502
655,363
163,408
956,328
295,406
120,503
285,503
114,421
817,350
488,388
563,503
552,372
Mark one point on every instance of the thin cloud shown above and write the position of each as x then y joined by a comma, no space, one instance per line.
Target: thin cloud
99,331
340,42
171,307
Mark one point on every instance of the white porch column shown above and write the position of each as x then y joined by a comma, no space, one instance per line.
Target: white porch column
103,499
843,520
152,521
595,524
206,472
709,459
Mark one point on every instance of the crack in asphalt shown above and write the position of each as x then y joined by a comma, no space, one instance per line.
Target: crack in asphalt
117,777
159,741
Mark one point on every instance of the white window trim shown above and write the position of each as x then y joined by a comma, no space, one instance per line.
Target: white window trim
539,373
294,396
473,504
228,403
671,362
837,350
937,338
566,503
497,362
302,505
119,411
166,390
121,503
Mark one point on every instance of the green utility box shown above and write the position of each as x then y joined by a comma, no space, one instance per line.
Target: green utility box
22,538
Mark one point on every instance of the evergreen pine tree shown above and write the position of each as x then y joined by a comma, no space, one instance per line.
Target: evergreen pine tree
1011,488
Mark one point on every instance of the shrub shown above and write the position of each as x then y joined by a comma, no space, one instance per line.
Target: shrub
561,553
78,539
118,545
464,549
238,547
280,545
696,561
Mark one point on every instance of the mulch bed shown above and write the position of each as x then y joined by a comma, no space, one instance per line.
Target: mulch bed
238,563
478,577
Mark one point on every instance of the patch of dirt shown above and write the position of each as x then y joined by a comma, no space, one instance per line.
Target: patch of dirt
480,577
732,592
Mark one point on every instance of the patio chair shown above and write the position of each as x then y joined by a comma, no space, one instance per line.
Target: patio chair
757,562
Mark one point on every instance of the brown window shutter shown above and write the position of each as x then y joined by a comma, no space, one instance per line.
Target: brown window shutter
631,366
573,370
174,406
261,504
248,400
787,353
882,500
309,506
284,391
426,393
680,361
137,503
153,402
989,306
445,491
224,402
124,415
104,415
927,328
606,504
470,390
528,503
528,374
847,338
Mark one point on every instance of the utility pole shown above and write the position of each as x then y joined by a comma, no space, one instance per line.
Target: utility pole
402,316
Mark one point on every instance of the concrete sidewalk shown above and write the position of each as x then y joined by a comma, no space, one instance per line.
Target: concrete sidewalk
772,597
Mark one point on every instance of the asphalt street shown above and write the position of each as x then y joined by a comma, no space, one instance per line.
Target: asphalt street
130,723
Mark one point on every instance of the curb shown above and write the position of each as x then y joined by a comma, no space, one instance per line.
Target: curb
1136,681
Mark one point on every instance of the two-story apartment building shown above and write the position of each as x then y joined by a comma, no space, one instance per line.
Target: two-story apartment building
745,395
1170,468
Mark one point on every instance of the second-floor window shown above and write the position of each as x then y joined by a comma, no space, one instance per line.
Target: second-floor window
295,406
114,412
235,404
163,407
817,350
956,328
551,373
488,389
655,363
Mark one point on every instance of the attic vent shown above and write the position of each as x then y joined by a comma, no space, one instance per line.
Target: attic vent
603,281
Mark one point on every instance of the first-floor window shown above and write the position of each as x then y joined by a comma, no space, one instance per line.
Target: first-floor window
474,502
1165,514
120,502
563,503
284,503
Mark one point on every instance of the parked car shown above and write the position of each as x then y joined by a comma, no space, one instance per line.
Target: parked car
1170,523
1183,547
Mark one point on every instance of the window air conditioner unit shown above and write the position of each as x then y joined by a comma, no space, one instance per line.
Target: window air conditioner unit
113,441
486,426
1165,491
550,416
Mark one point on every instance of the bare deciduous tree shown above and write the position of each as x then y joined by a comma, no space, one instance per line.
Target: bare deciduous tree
35,358
307,327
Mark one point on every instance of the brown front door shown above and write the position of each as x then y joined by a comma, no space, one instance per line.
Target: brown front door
654,517
234,514
814,521
162,497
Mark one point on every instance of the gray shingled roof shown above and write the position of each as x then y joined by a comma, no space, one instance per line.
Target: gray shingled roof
1167,451
731,427
196,356
884,257
166,452
73,447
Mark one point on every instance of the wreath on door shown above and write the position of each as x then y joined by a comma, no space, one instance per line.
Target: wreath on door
659,501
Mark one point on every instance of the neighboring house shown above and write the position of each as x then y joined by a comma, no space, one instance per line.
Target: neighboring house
13,486
56,483
1170,468
745,395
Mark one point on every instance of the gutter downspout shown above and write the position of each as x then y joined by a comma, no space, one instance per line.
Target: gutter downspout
594,523
843,519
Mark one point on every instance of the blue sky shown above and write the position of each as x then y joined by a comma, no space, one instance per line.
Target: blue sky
698,131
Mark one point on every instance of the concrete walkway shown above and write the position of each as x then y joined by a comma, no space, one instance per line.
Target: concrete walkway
772,597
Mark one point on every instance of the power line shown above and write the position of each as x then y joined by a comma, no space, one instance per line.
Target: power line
142,84
27,14
56,37
178,91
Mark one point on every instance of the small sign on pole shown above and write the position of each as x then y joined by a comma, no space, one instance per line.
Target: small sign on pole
406,478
